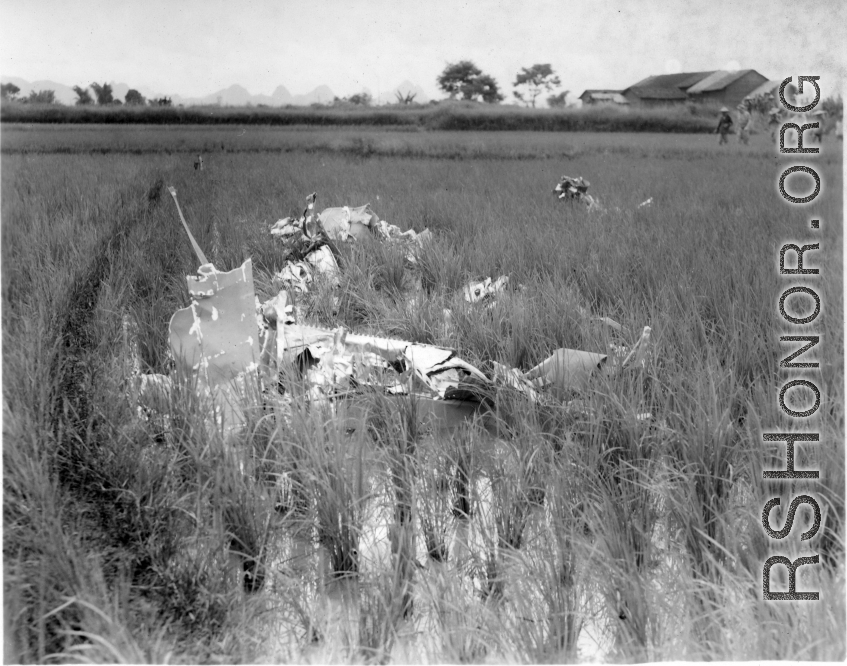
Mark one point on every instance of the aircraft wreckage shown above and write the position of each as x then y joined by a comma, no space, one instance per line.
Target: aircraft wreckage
226,339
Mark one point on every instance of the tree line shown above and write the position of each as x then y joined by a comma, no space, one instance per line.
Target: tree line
103,96
467,81
463,80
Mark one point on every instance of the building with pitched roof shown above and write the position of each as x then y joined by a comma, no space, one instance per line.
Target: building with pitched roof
727,88
602,97
719,86
663,89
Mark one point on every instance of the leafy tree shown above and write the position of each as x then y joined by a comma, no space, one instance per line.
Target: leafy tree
535,80
9,90
456,75
133,98
483,86
42,97
103,93
83,96
161,101
467,79
361,99
558,101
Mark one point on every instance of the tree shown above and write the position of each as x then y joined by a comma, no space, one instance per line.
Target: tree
467,79
83,96
535,80
161,101
483,86
558,101
134,98
456,75
9,90
103,93
361,99
42,97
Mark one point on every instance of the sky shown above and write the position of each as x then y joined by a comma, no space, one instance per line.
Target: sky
195,47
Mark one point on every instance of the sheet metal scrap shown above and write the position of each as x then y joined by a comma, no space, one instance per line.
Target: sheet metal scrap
486,290
395,366
225,334
568,371
215,338
298,275
342,224
338,364
345,223
572,188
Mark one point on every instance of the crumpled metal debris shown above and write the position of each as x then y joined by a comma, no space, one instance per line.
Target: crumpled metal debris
344,224
567,371
572,188
225,334
335,363
485,291
396,366
298,275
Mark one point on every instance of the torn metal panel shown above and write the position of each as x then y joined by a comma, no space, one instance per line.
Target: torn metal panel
323,262
296,275
312,232
285,228
344,222
299,275
216,337
515,379
384,362
565,370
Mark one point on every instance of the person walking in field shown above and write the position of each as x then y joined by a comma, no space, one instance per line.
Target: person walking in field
774,120
745,119
824,125
724,126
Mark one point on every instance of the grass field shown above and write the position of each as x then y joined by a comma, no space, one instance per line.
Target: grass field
562,536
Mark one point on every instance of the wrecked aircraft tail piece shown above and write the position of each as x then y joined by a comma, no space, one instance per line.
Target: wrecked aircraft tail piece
575,189
227,341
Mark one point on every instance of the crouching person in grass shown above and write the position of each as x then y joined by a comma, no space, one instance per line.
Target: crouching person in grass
724,126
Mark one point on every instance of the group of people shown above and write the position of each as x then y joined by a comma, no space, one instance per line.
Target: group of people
775,118
725,124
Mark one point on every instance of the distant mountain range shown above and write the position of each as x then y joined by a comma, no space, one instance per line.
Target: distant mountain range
235,95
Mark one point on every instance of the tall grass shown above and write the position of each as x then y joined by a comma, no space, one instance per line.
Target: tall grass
444,116
544,532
